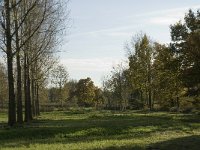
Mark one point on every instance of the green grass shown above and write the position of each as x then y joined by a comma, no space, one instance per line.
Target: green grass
103,130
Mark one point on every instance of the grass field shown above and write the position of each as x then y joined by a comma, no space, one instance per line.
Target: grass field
103,130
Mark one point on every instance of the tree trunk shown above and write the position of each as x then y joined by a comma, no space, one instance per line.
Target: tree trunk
25,89
28,112
141,96
19,91
150,99
37,100
33,95
29,90
12,107
61,98
19,78
149,86
29,93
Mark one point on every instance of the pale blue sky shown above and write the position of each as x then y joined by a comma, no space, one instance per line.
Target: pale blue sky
100,28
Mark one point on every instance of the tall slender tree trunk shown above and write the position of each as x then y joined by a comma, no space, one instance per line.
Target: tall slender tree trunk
19,91
61,98
19,78
12,107
141,96
26,119
27,82
36,97
37,100
29,90
150,86
28,112
33,95
150,99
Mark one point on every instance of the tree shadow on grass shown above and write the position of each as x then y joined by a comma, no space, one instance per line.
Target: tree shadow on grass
95,127
184,143
128,147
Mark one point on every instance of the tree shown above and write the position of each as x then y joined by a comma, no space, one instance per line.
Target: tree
107,92
99,98
186,47
59,79
30,39
140,67
70,89
118,82
85,92
166,84
6,25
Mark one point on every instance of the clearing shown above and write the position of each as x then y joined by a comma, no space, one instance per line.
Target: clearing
95,130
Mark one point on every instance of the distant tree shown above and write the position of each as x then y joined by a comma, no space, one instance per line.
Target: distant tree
85,92
140,67
59,79
116,88
70,88
107,92
99,98
119,86
53,94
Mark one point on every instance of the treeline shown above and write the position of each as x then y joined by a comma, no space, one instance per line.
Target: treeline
29,34
76,94
160,76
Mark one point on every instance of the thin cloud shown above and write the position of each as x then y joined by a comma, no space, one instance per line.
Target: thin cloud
161,17
169,16
173,11
93,64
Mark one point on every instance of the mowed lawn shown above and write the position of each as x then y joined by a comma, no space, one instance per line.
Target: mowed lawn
103,130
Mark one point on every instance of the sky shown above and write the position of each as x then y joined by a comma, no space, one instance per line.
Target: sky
99,29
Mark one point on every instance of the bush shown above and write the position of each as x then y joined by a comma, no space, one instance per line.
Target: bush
197,112
186,104
156,107
174,109
136,104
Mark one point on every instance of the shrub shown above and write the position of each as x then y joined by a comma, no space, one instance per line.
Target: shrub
174,109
